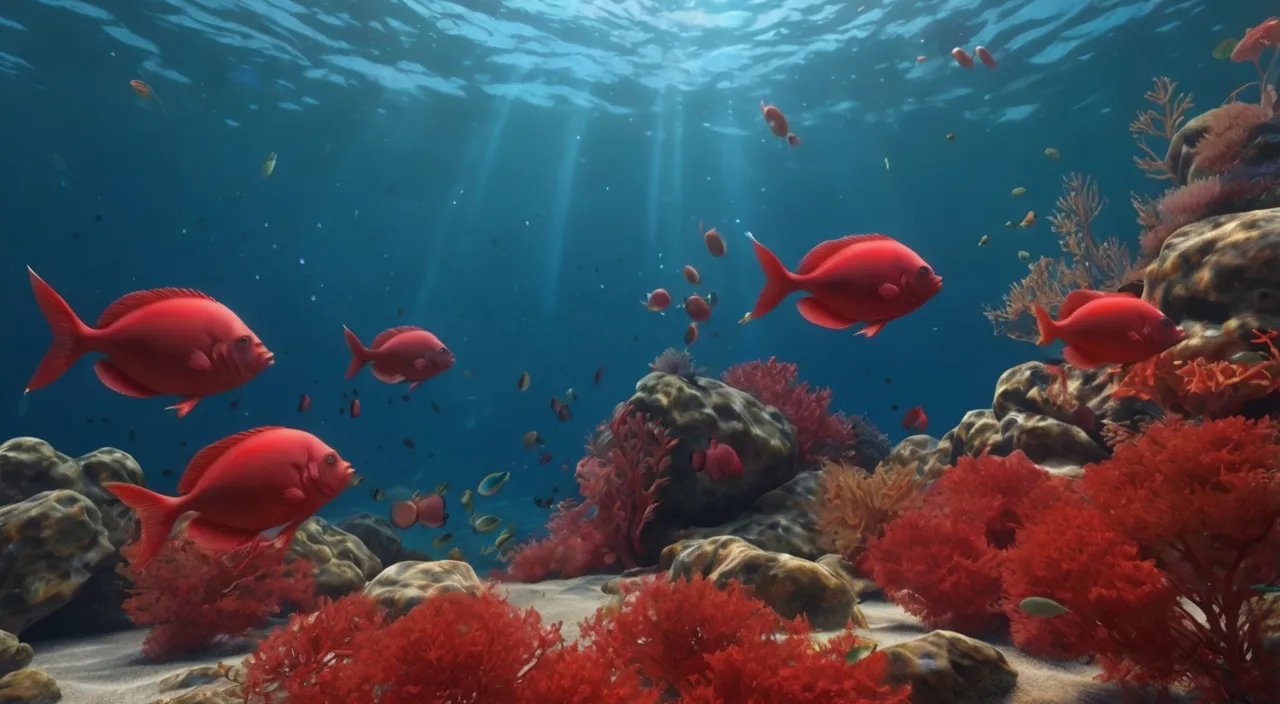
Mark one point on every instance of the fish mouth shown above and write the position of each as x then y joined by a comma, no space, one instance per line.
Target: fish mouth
270,359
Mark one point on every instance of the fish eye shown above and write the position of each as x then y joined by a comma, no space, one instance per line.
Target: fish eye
1166,321
243,341
445,350
331,458
923,271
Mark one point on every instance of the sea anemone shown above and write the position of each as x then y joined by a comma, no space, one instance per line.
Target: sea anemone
677,362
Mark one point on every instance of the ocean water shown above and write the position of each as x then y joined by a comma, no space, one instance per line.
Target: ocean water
515,176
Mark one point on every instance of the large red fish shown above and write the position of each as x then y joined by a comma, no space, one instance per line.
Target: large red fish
162,342
719,461
860,278
400,354
239,487
1102,328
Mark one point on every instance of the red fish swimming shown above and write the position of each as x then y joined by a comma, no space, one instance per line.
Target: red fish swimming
238,487
720,462
691,334
778,124
713,240
431,510
400,354
162,342
697,308
304,404
860,278
1102,328
962,57
915,419
657,300
691,275
985,56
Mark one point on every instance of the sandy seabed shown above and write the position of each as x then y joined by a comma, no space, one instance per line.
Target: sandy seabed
108,669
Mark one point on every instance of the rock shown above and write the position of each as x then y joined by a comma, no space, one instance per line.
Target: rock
948,668
695,411
1180,158
50,545
14,654
28,687
781,521
871,446
381,538
220,692
29,466
790,585
342,562
192,677
403,586
1221,270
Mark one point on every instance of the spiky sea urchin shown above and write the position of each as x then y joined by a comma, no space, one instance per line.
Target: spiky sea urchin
677,362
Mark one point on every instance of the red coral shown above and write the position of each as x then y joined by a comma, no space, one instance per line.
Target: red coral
1228,132
1203,388
192,599
943,561
819,433
621,493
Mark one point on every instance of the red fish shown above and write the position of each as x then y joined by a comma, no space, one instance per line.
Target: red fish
658,300
162,342
985,56
713,240
691,334
915,419
962,57
141,88
697,308
778,123
355,408
718,461
304,403
238,487
921,59
860,278
544,458
1102,328
691,275
404,514
400,354
431,510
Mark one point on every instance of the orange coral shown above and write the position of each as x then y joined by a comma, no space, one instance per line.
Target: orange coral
855,506
1163,124
1203,388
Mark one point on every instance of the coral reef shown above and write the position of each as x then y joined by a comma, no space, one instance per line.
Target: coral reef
341,563
403,586
791,586
855,506
818,432
950,668
782,520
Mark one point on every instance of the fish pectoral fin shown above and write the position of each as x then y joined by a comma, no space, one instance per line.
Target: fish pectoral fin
889,291
818,313
419,363
199,361
873,328
185,406
113,378
285,538
385,376
293,495
216,537
1134,336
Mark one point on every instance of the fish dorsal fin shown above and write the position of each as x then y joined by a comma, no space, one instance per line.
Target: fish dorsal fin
206,457
828,249
385,336
130,302
1079,297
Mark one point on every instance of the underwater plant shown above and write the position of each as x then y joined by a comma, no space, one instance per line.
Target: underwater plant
675,362
191,598
854,506
819,432
1201,388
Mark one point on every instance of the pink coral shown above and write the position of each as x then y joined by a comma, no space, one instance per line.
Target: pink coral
1182,206
819,432
1227,133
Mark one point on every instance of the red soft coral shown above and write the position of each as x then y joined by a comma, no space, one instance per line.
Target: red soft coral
819,432
1226,135
192,599
576,545
1203,388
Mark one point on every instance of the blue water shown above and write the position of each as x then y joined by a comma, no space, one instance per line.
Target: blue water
517,175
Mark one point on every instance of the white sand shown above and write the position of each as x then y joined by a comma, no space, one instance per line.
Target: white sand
110,670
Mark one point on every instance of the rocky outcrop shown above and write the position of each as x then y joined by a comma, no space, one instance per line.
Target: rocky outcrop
403,586
949,668
781,521
377,534
342,562
14,654
28,687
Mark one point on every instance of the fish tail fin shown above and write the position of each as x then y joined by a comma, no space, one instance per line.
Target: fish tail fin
1048,328
778,282
69,334
699,460
156,512
359,355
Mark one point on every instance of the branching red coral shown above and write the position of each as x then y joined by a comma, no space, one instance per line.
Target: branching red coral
1228,132
1202,388
819,432
191,598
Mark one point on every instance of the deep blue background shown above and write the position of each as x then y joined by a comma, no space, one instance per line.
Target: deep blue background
524,235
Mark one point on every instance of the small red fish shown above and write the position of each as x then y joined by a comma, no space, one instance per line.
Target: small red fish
1102,328
860,278
985,56
962,57
691,334
713,241
544,458
431,510
403,514
598,375
697,308
921,59
718,461
400,354
304,403
141,88
658,300
162,342
691,275
238,487
915,419
355,408
778,124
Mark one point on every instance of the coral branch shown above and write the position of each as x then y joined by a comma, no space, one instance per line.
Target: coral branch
819,432
1163,123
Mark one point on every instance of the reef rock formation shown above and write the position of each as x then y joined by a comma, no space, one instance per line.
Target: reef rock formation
14,654
381,538
695,411
342,562
949,668
781,521
29,687
50,545
205,684
403,586
790,585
